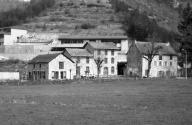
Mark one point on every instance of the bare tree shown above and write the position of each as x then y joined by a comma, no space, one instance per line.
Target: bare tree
152,50
98,62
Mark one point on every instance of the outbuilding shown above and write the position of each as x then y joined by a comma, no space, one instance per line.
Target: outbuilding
55,66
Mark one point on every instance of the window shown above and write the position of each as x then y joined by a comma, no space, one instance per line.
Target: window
39,65
155,63
165,63
112,60
112,52
160,63
87,70
171,57
105,71
112,70
105,60
105,52
55,75
160,57
78,60
171,63
61,65
34,66
99,52
87,60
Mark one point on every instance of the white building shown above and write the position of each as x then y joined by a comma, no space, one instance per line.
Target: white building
9,36
85,64
164,63
121,42
57,66
85,56
108,52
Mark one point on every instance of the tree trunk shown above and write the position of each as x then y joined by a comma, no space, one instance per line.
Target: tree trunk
149,69
98,70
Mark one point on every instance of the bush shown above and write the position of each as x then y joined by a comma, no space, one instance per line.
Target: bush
87,26
95,5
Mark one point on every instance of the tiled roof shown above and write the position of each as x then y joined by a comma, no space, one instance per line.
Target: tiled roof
46,58
93,37
74,52
103,46
166,49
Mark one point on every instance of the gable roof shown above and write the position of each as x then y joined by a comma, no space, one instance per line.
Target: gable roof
64,37
75,52
166,48
46,58
103,45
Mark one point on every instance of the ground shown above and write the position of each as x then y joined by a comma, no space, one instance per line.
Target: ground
126,102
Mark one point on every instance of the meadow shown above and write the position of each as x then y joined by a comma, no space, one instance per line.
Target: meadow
111,102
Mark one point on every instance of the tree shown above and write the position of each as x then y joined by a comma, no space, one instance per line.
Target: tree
98,61
185,29
138,26
152,50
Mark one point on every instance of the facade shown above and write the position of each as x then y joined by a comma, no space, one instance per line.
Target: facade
108,52
85,56
84,62
163,64
121,42
57,66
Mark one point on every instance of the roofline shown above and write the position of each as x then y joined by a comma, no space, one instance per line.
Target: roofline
92,37
99,48
51,60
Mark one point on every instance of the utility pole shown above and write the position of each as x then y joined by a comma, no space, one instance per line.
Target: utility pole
186,64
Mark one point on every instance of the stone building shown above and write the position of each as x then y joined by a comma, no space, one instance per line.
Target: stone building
163,64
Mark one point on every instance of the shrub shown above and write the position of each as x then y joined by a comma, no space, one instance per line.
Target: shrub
95,5
87,26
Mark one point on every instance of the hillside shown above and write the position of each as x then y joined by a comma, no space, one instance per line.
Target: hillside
70,18
76,19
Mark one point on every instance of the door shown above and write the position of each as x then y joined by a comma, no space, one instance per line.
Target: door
78,71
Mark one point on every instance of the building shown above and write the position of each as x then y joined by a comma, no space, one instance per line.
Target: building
55,66
163,64
84,61
108,52
85,56
8,36
121,42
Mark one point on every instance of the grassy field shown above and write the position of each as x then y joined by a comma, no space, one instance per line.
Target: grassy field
141,102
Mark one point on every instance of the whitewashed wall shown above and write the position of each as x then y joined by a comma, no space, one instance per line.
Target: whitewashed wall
68,65
156,68
109,64
9,75
83,64
10,39
124,46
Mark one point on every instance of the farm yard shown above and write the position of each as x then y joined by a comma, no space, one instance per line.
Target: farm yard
115,102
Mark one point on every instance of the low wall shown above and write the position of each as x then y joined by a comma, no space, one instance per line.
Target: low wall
9,76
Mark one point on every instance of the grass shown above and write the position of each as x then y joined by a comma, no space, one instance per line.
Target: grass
141,102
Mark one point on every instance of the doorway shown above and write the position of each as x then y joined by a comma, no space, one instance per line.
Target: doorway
121,68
